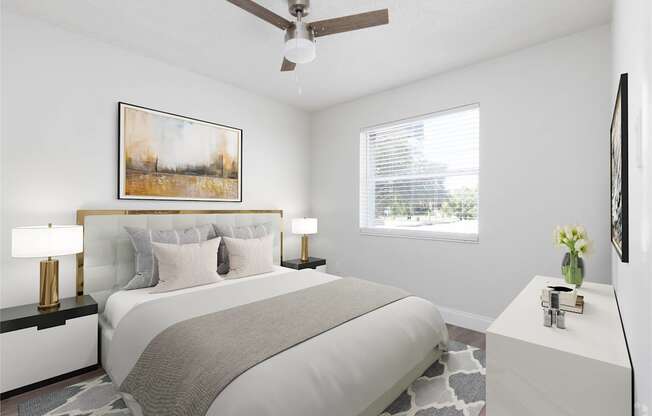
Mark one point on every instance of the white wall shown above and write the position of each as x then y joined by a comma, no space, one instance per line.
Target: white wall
632,53
59,108
544,116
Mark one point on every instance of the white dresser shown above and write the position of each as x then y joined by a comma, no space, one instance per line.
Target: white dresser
583,370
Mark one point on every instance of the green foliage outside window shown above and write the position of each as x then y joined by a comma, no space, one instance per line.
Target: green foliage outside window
462,204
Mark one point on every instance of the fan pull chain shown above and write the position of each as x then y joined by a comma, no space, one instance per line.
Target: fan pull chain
298,81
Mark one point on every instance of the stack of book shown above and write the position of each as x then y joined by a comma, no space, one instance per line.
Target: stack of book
569,300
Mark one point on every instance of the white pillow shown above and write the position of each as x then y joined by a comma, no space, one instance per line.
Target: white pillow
251,256
186,265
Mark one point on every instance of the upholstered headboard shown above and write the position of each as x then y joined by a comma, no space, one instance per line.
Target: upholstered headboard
107,262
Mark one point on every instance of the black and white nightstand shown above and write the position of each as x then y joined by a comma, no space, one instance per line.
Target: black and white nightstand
312,263
40,347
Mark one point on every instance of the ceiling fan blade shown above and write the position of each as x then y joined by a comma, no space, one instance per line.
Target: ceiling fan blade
349,23
263,13
287,65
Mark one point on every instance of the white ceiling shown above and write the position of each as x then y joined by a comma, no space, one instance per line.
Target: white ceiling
424,37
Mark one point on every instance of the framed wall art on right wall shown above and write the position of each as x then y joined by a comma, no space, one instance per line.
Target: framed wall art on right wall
619,173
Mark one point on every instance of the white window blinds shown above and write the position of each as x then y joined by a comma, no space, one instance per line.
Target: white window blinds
419,177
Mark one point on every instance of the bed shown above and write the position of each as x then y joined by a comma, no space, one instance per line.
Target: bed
356,368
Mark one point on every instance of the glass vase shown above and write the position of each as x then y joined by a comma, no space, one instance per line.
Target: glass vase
572,267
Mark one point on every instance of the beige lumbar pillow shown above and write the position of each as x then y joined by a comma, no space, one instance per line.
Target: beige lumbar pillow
248,257
186,265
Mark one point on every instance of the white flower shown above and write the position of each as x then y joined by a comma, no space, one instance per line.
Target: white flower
575,231
561,231
574,237
583,247
556,236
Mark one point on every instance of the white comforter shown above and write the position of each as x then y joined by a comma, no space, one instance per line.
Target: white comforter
340,372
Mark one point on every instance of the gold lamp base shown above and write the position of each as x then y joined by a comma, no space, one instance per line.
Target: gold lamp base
49,288
304,248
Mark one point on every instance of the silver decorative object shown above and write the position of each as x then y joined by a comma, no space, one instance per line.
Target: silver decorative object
553,316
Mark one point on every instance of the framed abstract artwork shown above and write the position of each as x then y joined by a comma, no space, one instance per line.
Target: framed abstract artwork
165,156
619,172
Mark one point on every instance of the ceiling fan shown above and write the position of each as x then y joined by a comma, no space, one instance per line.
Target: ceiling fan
300,36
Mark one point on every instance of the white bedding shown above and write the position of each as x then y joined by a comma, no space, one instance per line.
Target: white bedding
123,301
340,372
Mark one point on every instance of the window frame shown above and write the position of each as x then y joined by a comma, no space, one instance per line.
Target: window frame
384,231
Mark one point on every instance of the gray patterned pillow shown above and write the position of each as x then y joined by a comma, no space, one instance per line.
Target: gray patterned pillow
244,232
146,264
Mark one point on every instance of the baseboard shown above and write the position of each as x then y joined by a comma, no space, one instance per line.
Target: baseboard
465,319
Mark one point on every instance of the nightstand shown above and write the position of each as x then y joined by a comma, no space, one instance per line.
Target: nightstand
312,263
41,347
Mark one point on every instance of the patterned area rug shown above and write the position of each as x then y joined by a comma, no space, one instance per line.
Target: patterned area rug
93,397
453,386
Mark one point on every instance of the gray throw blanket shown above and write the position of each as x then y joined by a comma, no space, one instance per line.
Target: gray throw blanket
185,367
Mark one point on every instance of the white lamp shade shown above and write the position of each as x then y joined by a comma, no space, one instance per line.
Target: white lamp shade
304,226
299,51
45,241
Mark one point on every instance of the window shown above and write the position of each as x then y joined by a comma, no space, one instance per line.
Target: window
419,177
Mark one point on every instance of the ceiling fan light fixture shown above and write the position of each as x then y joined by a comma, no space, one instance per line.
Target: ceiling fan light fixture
299,47
299,44
300,51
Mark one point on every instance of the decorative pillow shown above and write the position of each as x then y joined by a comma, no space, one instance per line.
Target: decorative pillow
186,265
248,257
243,232
142,239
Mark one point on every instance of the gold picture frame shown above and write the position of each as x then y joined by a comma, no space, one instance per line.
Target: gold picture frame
165,156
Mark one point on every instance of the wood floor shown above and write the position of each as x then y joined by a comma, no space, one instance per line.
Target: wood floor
9,407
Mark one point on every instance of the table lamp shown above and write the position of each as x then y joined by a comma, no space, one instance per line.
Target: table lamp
47,241
305,227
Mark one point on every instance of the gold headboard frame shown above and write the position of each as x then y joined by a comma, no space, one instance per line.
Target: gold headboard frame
83,213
